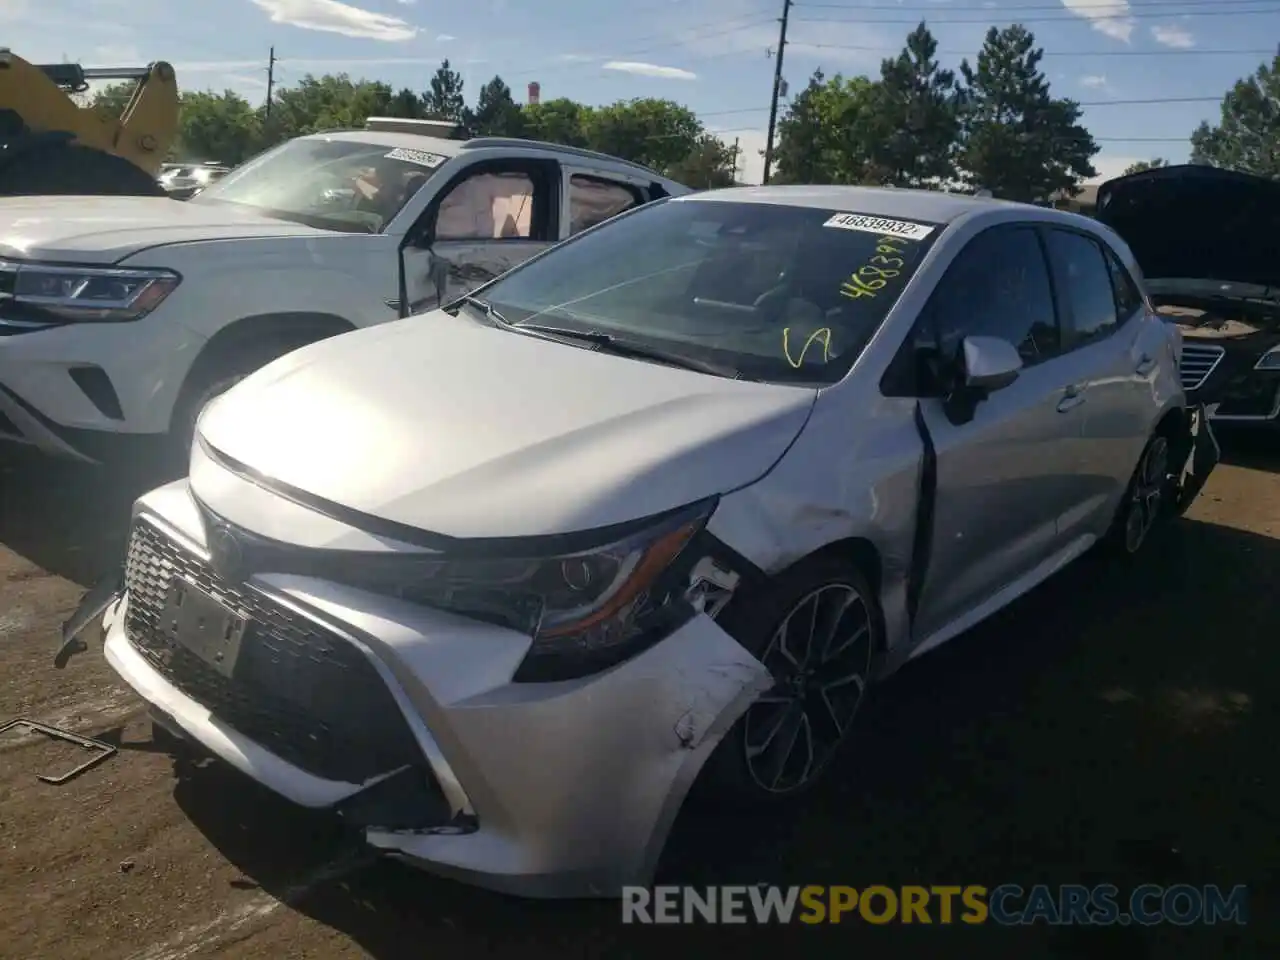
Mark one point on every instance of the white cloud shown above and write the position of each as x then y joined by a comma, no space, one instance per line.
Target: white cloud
445,38
330,16
1109,17
1172,35
1094,81
650,70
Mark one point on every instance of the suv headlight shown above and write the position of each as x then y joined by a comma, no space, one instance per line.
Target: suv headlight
56,294
586,610
1269,360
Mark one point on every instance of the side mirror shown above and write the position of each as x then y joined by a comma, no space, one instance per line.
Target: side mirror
990,363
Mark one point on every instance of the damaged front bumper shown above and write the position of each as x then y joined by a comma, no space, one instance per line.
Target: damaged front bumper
1197,454
565,789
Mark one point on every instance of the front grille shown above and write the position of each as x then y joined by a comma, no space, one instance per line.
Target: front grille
300,690
1198,361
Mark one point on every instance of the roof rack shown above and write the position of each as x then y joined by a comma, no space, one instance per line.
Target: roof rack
477,143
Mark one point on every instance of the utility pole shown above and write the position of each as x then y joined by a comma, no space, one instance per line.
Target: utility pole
271,78
735,159
777,88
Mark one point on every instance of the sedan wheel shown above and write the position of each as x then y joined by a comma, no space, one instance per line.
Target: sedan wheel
820,657
1146,502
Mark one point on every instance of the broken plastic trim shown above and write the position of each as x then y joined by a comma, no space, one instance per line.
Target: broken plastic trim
92,606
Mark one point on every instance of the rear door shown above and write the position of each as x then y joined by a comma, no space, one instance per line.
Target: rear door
1004,476
1102,326
595,194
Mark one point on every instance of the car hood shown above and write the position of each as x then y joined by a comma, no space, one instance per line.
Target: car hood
108,229
1197,223
445,425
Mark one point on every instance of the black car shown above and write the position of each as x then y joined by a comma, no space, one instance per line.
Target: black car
1203,238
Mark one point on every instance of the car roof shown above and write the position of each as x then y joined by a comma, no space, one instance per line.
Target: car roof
452,148
929,206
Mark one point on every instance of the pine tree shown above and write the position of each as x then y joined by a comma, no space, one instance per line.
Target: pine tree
444,101
1018,141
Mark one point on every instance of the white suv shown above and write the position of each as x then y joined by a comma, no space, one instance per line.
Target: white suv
120,317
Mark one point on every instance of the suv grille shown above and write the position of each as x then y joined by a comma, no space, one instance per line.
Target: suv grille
1198,361
299,690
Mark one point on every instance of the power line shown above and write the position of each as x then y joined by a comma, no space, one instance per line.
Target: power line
1116,8
1260,52
1070,18
777,89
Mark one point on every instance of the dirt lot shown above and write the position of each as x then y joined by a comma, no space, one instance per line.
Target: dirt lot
1113,727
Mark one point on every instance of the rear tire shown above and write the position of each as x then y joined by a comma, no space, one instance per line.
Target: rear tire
1149,501
65,169
818,629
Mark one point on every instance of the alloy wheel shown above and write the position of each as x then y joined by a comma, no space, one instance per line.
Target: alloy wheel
820,659
1146,500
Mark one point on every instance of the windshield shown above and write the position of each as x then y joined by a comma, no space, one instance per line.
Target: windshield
777,293
331,184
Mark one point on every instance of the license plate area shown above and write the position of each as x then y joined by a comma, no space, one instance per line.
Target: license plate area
203,625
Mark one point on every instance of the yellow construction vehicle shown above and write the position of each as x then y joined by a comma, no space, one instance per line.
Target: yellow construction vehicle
50,145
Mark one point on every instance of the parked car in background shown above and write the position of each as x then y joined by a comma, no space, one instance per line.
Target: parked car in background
498,582
184,181
125,315
1200,235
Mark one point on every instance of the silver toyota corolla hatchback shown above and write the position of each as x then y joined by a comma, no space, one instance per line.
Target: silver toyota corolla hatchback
499,582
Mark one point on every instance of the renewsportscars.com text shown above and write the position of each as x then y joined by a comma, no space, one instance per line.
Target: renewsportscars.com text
1004,905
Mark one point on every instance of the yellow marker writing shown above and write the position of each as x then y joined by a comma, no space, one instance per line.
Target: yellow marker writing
822,336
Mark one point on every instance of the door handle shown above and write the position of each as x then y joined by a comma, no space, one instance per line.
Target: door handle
1072,397
1145,365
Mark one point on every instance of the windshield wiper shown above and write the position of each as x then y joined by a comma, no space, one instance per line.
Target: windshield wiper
608,343
485,307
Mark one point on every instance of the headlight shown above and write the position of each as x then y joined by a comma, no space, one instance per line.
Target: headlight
585,610
1269,360
36,292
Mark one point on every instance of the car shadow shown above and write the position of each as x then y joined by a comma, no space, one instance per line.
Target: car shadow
1115,726
69,519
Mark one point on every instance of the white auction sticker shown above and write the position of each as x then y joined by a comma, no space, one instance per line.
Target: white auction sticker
420,157
897,228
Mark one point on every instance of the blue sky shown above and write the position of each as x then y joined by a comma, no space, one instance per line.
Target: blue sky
712,55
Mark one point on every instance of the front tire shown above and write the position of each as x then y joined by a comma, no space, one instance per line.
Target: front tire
818,630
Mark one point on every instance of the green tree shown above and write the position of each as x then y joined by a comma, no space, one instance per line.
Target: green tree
406,104
1141,165
709,164
916,117
1018,141
1247,136
496,114
110,101
826,132
219,127
557,121
333,101
656,133
444,101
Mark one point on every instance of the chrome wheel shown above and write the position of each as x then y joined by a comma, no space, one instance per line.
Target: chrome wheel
1146,498
820,660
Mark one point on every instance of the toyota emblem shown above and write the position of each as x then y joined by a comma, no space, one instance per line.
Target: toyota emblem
227,553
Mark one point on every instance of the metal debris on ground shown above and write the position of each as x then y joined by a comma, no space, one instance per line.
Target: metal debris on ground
104,750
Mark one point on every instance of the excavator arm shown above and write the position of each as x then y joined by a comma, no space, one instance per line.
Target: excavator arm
37,115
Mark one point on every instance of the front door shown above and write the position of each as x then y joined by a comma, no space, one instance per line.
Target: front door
488,218
1005,475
